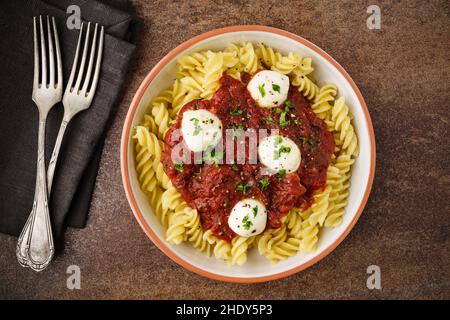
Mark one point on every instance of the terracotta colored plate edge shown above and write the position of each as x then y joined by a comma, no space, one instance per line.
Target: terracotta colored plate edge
125,142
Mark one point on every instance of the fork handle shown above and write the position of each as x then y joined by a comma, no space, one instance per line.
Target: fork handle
35,245
55,153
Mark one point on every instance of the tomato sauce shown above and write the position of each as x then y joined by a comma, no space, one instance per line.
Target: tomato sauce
212,189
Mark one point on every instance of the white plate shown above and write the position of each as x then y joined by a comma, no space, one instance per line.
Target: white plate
257,268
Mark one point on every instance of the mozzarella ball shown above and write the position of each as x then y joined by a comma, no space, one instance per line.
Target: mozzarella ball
248,217
279,153
269,88
201,129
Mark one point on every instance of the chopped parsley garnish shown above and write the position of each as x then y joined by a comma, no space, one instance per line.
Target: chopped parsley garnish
179,167
246,223
288,105
236,130
276,87
311,141
264,183
197,128
304,140
268,120
243,187
283,122
236,111
282,149
278,140
235,168
283,113
262,90
255,211
213,157
281,174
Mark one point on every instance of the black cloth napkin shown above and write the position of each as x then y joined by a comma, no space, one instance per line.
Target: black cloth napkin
81,149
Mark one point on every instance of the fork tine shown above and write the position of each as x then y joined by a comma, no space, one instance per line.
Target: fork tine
83,59
91,62
51,53
97,65
58,55
43,55
36,56
75,61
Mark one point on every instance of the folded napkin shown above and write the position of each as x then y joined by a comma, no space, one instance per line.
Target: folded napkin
81,149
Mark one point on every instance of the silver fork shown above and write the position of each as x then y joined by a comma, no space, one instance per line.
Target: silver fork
76,97
35,245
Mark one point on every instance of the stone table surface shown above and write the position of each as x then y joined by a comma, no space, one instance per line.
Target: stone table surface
403,72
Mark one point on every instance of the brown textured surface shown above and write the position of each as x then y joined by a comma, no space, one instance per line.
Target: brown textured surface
403,72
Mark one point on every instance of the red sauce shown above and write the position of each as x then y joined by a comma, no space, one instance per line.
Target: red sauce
212,190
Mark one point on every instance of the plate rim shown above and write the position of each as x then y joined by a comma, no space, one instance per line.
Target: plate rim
124,149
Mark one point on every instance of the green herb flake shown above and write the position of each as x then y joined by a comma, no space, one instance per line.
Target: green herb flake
235,168
268,120
255,211
246,223
197,128
262,90
282,149
278,140
213,157
304,140
288,105
276,87
281,174
179,167
243,187
283,122
311,141
264,183
236,130
237,111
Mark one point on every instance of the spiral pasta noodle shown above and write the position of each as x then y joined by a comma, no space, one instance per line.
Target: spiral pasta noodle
171,198
147,145
239,246
321,104
320,206
305,85
284,249
176,232
267,55
248,58
342,121
287,64
309,234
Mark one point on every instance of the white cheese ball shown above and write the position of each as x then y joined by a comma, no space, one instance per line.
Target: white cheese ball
201,129
279,153
269,88
248,217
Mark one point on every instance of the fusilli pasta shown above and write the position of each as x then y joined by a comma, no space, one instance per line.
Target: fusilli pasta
197,77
